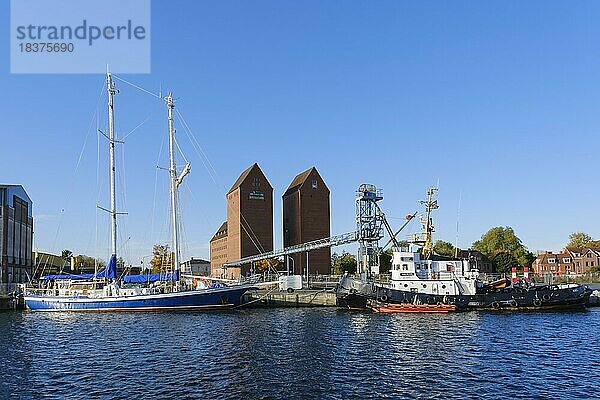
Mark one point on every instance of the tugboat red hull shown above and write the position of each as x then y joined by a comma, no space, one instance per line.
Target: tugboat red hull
390,308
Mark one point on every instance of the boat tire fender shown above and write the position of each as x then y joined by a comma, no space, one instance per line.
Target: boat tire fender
537,302
546,297
513,303
384,297
495,304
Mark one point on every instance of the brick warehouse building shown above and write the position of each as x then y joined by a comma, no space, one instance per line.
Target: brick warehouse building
16,237
249,226
306,216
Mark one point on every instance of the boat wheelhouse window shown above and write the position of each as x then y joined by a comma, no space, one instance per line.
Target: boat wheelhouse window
405,267
567,260
552,261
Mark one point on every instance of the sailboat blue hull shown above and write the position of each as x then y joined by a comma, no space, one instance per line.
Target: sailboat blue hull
207,299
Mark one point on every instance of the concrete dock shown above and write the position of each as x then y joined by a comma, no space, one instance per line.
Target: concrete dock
297,298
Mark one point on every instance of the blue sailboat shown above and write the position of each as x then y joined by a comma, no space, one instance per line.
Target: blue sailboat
103,291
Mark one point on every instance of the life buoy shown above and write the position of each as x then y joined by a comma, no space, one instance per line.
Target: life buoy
384,298
537,302
495,304
546,297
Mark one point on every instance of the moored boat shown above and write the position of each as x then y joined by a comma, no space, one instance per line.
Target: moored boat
104,291
420,277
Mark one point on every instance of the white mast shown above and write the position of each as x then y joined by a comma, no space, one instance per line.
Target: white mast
175,182
111,143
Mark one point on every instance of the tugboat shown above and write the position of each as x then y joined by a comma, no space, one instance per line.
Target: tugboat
418,276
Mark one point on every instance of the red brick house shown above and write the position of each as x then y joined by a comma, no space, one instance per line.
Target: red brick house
584,258
556,264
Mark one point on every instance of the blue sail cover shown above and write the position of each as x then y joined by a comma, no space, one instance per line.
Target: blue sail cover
146,278
109,272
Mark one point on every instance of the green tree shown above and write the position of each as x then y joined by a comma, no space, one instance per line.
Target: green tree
579,239
162,258
594,270
444,248
502,240
504,262
385,261
344,262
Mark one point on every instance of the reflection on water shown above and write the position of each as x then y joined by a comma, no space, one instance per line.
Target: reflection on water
299,353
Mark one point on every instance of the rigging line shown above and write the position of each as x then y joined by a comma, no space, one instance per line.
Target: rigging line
198,149
189,188
137,87
138,126
211,169
78,163
245,226
152,220
123,182
252,235
96,236
181,151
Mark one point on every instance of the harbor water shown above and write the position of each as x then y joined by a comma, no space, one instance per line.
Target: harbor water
299,353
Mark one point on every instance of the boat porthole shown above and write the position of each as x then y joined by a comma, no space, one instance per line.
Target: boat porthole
537,302
406,285
495,304
546,297
424,285
443,286
384,298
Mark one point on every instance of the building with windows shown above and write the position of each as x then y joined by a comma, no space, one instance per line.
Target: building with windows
554,263
16,237
249,226
306,217
570,261
477,260
218,250
584,258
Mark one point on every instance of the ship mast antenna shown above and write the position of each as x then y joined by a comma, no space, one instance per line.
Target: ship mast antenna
111,142
430,204
175,182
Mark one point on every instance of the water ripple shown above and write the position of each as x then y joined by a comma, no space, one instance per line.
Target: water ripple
299,353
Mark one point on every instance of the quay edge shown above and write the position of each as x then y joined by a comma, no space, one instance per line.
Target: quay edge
297,298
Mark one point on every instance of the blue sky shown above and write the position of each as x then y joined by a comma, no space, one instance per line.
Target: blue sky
496,100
